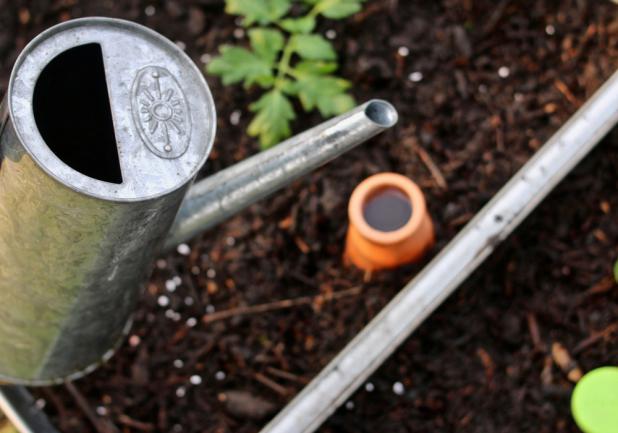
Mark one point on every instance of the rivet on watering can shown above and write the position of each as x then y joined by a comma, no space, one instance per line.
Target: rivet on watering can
594,403
389,223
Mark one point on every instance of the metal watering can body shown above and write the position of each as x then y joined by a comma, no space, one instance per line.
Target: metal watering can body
102,131
105,125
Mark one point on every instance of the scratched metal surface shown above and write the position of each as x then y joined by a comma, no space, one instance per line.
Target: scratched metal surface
73,249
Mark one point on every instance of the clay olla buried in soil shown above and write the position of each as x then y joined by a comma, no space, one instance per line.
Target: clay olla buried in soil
479,86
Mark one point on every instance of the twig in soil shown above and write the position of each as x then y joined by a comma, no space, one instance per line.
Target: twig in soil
535,334
431,166
495,17
287,375
594,337
279,305
138,425
101,425
567,364
268,382
564,89
488,365
60,408
603,286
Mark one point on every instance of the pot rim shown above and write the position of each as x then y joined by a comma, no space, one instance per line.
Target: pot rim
367,187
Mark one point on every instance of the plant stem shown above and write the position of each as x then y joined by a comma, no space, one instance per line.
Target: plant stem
284,63
283,67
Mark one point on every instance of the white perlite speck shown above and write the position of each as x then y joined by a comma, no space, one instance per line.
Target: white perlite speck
183,249
235,117
163,301
504,72
101,410
170,285
195,379
415,76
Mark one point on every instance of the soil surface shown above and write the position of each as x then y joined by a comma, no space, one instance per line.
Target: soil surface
483,85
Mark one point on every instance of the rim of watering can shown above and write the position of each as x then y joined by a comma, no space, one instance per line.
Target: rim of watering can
28,134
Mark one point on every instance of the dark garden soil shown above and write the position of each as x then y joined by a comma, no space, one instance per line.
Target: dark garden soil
484,361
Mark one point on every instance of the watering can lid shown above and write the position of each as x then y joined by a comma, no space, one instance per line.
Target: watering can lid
162,110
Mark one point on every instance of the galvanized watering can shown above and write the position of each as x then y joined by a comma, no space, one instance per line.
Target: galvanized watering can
103,129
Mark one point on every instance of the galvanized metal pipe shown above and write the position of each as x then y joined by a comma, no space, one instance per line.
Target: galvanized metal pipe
417,300
20,408
222,195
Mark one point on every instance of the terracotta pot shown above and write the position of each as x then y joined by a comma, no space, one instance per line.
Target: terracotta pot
389,223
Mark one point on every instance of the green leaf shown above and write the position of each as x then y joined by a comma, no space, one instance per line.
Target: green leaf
313,47
323,92
289,87
267,43
338,9
336,105
272,121
261,11
315,67
238,64
616,271
298,25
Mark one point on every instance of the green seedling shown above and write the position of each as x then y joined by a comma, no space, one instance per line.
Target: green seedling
616,271
594,403
287,60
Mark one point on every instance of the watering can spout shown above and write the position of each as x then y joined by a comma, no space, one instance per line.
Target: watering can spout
218,197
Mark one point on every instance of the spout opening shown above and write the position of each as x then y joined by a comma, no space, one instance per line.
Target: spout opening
381,113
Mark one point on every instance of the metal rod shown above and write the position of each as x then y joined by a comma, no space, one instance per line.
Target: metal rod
20,408
222,195
419,298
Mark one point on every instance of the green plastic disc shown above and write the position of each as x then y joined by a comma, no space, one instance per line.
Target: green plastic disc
594,403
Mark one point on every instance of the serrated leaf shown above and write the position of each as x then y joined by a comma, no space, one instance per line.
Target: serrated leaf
267,43
260,11
237,64
315,67
616,271
313,47
338,9
272,121
298,25
313,88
